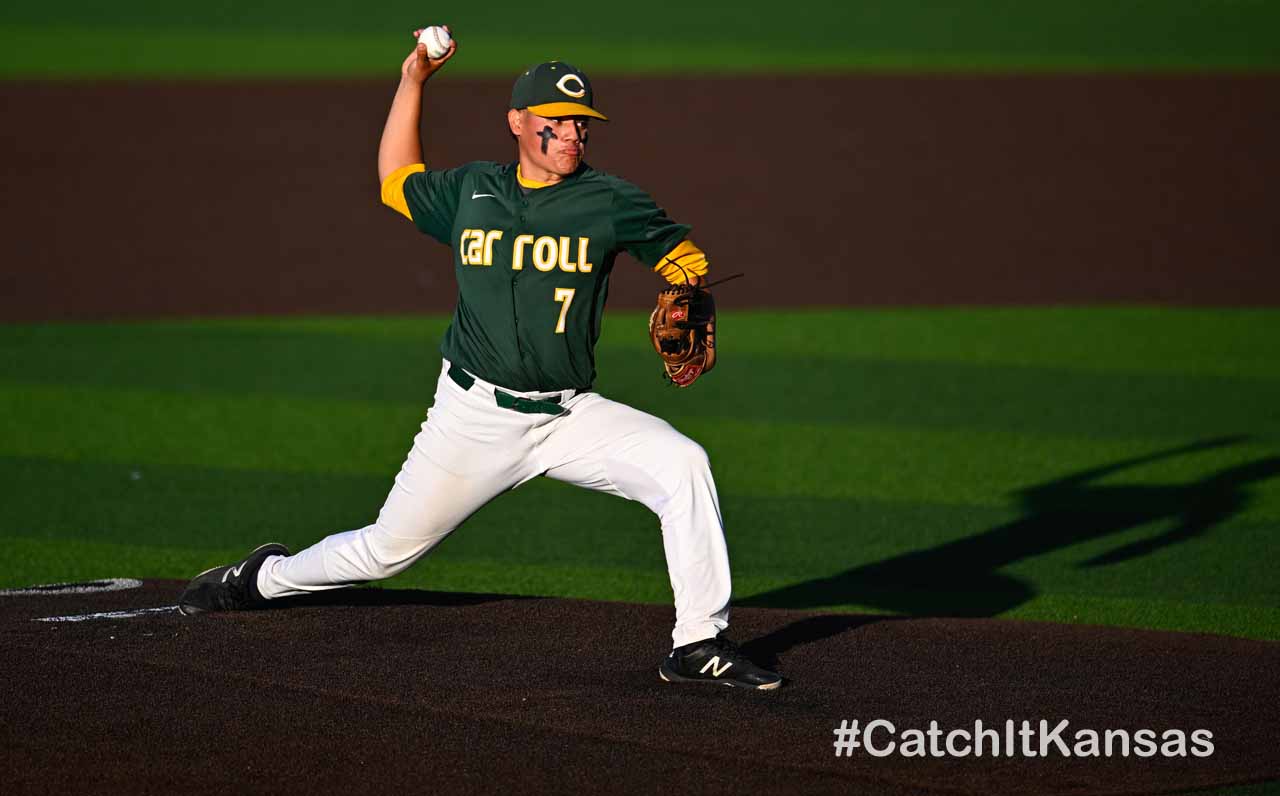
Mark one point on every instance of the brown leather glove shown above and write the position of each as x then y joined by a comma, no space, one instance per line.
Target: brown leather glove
682,328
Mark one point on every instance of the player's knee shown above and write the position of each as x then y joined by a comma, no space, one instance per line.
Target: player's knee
691,455
391,554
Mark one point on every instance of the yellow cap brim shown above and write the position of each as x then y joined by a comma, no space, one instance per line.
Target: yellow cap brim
554,110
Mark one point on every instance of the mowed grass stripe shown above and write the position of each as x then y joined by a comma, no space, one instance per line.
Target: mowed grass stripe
249,432
783,384
1239,343
919,395
149,53
795,536
79,37
976,468
202,506
273,434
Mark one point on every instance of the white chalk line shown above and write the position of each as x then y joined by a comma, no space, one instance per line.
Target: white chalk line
109,615
88,587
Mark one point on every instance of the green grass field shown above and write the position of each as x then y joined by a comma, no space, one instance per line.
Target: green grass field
323,38
1117,466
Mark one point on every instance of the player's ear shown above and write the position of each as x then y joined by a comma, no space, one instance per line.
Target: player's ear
515,120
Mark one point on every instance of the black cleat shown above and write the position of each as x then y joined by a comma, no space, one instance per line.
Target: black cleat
716,660
233,587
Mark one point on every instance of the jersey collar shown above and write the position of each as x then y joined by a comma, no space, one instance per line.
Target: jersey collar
525,182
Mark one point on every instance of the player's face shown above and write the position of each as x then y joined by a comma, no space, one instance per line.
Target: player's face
553,145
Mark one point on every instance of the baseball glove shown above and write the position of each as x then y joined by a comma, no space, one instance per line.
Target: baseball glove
682,328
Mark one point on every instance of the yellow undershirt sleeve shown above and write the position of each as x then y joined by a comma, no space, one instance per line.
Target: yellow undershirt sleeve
393,188
682,262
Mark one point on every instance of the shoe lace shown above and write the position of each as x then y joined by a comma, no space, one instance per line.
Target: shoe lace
730,649
233,595
241,590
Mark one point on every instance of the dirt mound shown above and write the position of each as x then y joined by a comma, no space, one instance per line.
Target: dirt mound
413,691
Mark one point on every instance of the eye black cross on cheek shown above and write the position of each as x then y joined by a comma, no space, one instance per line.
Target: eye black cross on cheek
546,135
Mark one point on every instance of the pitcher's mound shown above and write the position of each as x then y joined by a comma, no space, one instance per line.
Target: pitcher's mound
413,691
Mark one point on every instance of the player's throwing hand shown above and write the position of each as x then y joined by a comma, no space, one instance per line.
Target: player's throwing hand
419,66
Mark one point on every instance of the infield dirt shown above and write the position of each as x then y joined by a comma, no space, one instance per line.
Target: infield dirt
125,200
412,691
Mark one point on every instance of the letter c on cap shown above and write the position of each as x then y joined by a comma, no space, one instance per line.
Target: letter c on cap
582,87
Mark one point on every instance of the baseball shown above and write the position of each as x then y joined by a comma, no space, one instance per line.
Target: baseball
437,40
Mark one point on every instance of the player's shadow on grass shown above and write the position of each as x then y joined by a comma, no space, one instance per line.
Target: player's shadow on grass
963,577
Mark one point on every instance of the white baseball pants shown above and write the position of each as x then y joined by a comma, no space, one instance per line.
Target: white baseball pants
470,450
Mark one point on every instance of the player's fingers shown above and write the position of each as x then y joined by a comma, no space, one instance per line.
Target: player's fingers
416,63
453,45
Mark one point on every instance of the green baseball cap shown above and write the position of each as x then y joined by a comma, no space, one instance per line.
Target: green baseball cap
554,89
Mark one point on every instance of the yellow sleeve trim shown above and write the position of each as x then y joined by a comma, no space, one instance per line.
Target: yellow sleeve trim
393,188
682,262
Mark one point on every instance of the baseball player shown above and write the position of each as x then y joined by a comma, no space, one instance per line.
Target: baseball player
533,242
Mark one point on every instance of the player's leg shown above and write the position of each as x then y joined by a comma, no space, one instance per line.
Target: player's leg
611,447
468,451
425,504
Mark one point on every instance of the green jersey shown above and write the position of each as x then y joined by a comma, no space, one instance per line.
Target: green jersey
533,265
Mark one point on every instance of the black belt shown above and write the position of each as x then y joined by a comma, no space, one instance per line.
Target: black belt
529,406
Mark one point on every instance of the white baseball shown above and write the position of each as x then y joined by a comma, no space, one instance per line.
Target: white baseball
437,40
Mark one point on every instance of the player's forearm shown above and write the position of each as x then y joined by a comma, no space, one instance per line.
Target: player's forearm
401,144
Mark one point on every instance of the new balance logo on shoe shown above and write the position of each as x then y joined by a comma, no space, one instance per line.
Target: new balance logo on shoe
716,661
233,572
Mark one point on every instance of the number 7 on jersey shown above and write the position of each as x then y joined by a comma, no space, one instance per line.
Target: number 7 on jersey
564,295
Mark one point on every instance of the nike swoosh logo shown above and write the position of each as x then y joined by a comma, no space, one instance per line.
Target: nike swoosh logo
475,195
